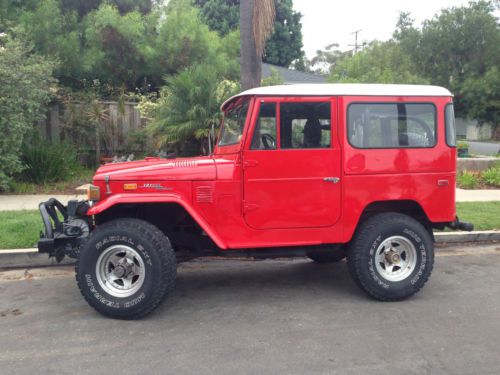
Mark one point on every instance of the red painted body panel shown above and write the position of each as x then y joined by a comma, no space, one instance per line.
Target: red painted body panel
246,198
156,169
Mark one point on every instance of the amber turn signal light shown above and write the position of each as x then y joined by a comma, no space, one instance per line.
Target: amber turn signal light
129,186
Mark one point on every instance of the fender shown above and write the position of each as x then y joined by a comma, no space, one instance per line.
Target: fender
158,198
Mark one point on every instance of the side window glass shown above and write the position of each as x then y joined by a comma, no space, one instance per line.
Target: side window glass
399,125
451,136
264,134
305,125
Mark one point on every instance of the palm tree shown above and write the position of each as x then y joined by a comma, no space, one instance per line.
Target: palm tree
256,24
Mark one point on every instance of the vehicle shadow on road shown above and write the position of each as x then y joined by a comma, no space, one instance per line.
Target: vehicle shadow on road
212,283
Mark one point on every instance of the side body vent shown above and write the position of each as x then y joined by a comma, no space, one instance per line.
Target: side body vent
204,194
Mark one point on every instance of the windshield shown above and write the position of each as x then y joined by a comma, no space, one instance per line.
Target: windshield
234,121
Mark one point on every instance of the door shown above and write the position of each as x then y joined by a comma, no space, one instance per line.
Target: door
292,165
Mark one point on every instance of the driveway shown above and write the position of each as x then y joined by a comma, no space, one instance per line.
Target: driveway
261,317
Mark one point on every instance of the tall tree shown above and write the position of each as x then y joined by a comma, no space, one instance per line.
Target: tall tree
459,48
83,7
285,43
380,62
55,34
256,23
116,52
220,15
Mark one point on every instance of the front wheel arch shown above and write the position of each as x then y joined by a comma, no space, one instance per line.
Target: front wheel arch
162,214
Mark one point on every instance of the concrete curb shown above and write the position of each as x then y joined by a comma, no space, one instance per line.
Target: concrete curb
26,258
476,236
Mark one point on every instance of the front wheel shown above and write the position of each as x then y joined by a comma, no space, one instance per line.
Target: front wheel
126,268
391,256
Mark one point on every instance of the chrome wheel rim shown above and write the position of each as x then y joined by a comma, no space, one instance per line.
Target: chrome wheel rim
395,258
120,271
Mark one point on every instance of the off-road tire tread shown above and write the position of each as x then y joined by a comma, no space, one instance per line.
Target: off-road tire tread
166,254
360,240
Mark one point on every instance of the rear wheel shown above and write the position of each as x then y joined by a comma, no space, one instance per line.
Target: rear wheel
126,268
391,256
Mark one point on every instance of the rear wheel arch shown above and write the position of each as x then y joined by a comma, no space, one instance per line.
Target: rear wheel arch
406,207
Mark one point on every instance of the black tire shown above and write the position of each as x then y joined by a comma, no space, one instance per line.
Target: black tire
149,252
372,242
332,256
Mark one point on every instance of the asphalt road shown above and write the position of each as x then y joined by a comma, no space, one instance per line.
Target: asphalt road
261,317
484,148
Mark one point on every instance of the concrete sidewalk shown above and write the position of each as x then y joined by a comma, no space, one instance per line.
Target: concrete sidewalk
30,202
477,195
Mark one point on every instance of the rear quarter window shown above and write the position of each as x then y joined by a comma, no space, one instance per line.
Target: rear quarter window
391,125
449,121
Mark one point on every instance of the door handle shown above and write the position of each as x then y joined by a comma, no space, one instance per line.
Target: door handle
333,180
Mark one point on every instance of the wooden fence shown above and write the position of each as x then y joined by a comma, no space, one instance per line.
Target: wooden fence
72,122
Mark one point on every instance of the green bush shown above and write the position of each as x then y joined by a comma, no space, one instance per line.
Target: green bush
492,175
467,180
25,84
48,162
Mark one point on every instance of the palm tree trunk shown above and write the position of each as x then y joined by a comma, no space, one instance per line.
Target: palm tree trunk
250,61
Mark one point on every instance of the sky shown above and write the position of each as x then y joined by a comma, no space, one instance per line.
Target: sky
331,21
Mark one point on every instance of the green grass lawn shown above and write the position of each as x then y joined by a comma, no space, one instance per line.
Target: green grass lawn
20,229
484,215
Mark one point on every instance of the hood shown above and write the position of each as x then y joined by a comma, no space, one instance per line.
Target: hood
158,169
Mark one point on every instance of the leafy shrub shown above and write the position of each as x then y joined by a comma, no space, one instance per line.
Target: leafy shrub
47,162
492,175
467,180
26,80
188,107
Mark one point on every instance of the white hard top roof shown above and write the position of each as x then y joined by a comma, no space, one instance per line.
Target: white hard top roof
343,89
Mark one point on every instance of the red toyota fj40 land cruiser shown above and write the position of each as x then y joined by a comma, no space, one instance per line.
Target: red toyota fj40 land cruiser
324,171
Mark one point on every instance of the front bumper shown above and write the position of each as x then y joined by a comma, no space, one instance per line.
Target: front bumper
65,228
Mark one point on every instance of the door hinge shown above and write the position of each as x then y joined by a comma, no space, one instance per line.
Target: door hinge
333,180
250,163
250,207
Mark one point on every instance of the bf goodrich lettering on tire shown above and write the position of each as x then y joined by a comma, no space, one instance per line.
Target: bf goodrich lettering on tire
126,268
391,256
